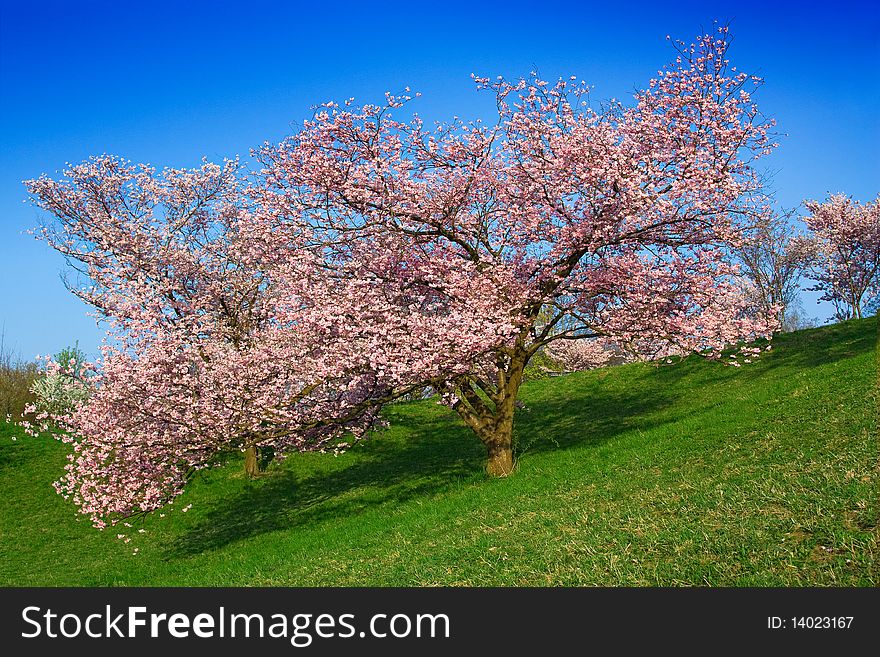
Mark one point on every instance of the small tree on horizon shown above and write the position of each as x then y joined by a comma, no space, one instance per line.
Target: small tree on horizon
773,258
845,246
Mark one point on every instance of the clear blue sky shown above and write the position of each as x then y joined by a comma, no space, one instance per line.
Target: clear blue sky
171,82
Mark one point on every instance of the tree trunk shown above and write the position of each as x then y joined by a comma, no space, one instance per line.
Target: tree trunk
252,461
499,461
492,420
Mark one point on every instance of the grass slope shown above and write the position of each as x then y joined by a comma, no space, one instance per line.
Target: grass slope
693,474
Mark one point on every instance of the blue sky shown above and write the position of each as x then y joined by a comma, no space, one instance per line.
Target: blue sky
171,82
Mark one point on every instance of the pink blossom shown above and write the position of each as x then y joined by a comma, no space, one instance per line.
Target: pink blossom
845,249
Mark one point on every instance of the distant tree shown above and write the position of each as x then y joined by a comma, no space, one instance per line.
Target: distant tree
62,385
16,379
797,317
773,259
577,355
845,244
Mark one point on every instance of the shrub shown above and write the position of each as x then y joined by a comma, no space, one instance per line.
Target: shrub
62,386
16,379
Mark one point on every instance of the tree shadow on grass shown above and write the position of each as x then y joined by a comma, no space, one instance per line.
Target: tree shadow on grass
380,472
8,456
591,414
23,450
438,453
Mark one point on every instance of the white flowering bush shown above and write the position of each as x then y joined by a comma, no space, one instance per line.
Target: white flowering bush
58,393
61,387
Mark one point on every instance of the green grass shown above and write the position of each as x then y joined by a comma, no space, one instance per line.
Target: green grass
692,474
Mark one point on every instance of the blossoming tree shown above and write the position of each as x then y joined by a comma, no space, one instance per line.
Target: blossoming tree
617,222
773,257
227,331
220,334
371,256
846,248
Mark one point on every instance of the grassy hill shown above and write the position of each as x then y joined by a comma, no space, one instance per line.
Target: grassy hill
692,474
